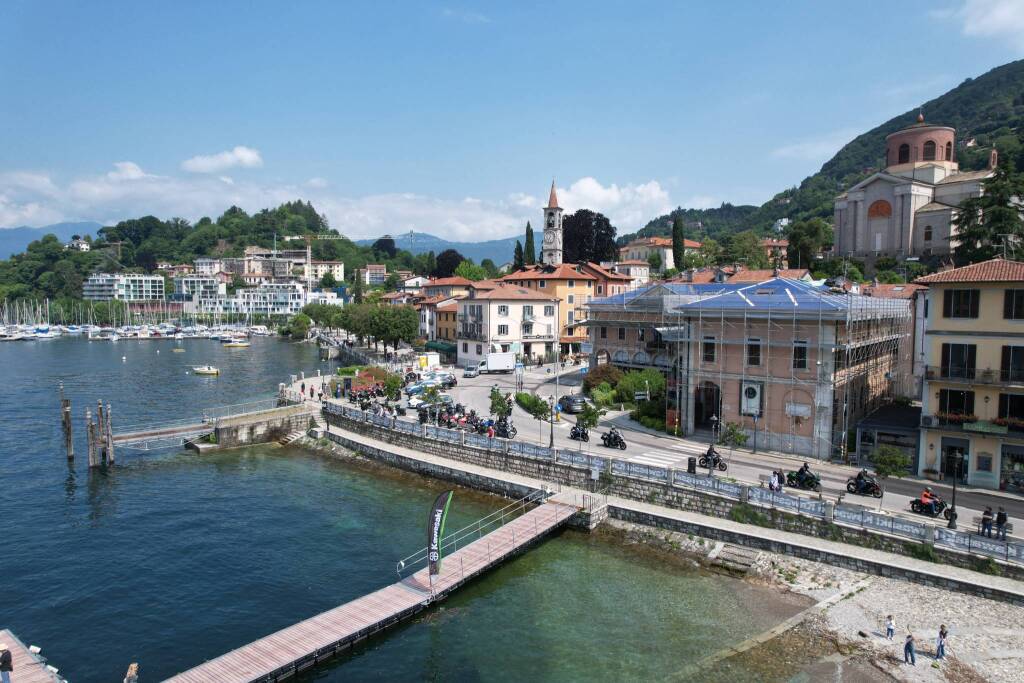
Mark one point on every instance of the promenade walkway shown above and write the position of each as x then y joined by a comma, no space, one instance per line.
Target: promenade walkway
28,668
868,560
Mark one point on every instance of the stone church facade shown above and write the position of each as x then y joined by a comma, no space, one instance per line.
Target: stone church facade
909,208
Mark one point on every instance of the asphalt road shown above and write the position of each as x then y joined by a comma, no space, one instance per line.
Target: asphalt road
662,450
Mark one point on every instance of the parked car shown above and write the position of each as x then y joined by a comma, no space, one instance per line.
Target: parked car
470,371
572,403
420,387
418,401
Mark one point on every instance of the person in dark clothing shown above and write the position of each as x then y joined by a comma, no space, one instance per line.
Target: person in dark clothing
908,651
1001,524
986,522
6,664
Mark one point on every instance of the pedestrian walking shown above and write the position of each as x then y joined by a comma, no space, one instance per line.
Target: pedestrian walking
6,664
908,650
890,627
1001,524
773,485
302,388
940,642
986,521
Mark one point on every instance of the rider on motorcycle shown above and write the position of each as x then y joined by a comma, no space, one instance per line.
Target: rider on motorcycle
613,435
804,475
930,500
862,480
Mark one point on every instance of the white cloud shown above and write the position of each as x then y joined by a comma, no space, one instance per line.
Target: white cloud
816,149
244,157
1002,19
465,16
129,191
318,183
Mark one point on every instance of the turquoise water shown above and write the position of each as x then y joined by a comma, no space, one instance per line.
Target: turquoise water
169,559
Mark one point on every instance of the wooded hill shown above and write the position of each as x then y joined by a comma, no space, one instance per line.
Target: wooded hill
986,111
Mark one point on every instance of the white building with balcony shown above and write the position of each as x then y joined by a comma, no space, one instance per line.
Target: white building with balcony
507,318
269,299
208,266
123,287
198,288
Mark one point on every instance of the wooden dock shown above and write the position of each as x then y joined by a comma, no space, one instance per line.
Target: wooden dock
282,654
176,432
28,668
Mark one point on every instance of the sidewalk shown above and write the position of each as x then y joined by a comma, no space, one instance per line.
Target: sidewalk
865,559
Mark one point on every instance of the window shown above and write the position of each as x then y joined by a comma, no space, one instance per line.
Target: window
570,331
570,317
956,402
600,289
641,334
960,303
983,462
549,311
1013,304
927,233
527,311
465,347
929,151
527,328
949,151
604,333
1012,365
572,283
503,310
958,360
1011,406
880,209
571,299
753,352
502,330
542,284
799,355
709,349
622,334
590,285
904,154
479,349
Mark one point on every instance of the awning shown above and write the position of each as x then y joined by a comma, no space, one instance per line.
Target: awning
443,347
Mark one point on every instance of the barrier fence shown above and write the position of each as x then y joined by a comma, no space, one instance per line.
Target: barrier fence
847,515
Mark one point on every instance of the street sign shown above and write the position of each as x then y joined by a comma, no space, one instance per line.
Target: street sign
641,396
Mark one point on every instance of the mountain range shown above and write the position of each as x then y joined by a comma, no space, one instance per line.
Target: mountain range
499,251
14,240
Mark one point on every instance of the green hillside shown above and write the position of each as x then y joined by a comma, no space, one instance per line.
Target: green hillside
988,110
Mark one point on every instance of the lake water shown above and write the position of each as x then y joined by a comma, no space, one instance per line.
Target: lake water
169,558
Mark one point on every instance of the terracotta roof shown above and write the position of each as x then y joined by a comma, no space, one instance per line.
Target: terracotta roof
762,275
430,301
966,176
892,291
449,281
505,292
603,272
772,242
484,284
562,271
449,308
633,262
553,198
393,295
996,270
661,242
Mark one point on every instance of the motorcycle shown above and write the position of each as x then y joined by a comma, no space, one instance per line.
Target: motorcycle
505,429
811,483
920,508
579,433
716,460
614,440
870,487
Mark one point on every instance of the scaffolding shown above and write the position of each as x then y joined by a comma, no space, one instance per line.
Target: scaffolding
818,360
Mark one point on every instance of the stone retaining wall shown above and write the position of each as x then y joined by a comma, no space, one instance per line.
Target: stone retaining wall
262,427
660,493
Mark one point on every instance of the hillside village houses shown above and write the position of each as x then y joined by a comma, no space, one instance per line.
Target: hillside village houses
908,209
641,250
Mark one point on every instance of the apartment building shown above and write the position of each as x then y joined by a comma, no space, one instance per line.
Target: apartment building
268,299
972,418
642,249
335,268
373,274
198,287
794,365
123,287
208,266
507,318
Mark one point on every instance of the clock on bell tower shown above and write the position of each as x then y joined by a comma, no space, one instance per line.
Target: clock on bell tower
551,250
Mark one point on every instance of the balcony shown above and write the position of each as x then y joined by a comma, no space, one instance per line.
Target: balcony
965,375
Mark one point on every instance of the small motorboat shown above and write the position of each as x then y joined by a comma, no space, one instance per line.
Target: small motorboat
205,370
236,344
178,350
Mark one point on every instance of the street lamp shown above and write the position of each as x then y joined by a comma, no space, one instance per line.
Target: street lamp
755,432
958,459
714,439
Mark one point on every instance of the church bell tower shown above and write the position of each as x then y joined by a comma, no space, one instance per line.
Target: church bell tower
551,251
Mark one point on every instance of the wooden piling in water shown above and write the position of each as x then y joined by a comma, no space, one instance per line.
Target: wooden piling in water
65,423
90,438
109,432
101,442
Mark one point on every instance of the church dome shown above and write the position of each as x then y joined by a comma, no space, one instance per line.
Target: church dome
920,142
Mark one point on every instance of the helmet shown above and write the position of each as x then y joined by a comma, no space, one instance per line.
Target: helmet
928,489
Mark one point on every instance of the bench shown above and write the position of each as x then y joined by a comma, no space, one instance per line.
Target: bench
976,521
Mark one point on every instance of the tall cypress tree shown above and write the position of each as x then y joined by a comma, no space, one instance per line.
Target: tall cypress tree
678,242
529,251
517,257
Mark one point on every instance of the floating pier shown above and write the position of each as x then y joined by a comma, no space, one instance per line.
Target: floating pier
29,666
282,654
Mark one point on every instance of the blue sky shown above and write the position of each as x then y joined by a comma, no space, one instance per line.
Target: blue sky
453,117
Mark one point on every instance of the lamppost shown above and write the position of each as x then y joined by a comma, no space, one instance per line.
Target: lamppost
958,459
755,432
714,439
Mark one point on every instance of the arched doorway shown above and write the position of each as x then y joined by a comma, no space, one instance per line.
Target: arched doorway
707,401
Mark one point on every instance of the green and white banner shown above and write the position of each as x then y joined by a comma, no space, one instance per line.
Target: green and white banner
435,531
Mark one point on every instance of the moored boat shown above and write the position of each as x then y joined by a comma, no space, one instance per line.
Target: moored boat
205,370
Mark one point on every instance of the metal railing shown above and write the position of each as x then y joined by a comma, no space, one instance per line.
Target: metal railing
474,531
970,375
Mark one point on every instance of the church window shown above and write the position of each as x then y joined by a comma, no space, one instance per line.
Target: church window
880,209
927,233
949,151
929,150
904,154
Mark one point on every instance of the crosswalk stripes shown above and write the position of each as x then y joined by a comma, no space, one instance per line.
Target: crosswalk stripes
656,458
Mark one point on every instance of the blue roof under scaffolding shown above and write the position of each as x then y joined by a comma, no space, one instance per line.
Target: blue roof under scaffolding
670,288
